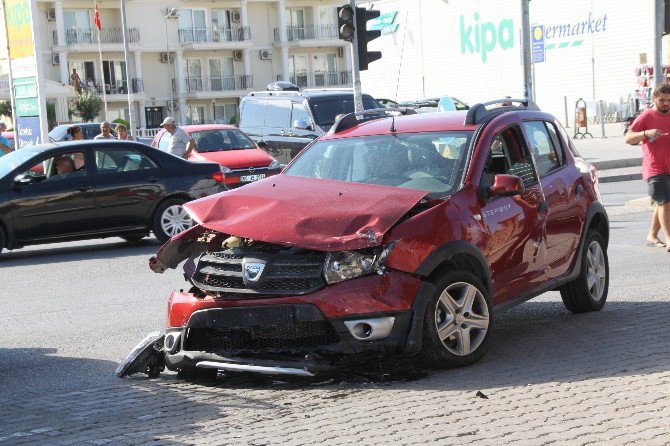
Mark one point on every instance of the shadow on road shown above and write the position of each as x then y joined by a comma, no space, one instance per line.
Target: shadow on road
70,252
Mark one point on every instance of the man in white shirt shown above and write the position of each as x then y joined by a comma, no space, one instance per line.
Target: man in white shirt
181,144
106,129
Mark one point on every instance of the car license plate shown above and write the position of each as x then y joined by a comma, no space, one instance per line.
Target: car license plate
250,178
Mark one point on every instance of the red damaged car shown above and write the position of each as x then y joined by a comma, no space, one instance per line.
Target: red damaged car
389,235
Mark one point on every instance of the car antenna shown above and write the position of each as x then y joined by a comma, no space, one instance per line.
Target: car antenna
392,123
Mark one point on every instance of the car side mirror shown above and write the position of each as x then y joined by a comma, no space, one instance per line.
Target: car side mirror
506,186
302,124
23,180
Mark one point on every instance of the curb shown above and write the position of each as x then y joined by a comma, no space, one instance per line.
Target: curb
615,178
617,164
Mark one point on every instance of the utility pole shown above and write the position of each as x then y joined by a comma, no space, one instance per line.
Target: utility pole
525,50
129,86
659,24
355,67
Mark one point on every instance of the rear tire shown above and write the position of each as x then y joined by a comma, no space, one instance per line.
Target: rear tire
170,219
458,322
589,291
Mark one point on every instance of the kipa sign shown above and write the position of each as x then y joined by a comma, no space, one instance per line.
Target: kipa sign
483,38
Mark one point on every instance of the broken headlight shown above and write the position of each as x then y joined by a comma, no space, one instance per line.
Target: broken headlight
345,265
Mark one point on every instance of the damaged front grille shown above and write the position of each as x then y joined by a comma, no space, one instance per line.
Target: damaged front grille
258,272
273,329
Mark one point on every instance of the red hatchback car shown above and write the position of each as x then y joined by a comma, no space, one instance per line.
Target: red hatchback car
390,235
241,160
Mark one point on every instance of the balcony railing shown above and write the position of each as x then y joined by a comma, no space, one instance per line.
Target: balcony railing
311,32
220,83
117,87
215,34
84,36
319,79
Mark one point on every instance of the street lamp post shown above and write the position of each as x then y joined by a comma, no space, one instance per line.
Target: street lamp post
174,13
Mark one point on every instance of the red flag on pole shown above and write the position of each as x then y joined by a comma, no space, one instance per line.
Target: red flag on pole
96,17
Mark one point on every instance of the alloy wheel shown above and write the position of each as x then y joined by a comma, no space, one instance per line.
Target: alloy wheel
596,271
175,220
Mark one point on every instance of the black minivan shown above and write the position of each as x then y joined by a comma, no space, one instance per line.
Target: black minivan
284,122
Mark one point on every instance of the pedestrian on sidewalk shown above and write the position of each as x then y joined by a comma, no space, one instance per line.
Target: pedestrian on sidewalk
652,128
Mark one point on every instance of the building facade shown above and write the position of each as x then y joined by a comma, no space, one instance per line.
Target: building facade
591,49
203,59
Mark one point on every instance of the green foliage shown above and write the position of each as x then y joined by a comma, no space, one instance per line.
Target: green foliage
233,120
86,104
122,121
51,115
6,108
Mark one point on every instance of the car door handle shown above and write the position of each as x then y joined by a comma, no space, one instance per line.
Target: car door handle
84,188
153,180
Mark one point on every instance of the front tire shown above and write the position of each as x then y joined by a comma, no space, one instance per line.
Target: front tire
589,291
458,322
170,219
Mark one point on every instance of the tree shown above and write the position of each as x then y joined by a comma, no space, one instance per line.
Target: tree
86,104
6,108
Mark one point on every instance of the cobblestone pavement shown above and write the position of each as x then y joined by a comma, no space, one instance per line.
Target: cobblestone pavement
550,377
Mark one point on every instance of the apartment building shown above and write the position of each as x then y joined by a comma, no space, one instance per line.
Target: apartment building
199,62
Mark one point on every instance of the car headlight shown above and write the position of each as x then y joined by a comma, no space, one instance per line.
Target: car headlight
225,169
345,265
274,165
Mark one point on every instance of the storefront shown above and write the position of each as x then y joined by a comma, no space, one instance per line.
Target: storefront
587,49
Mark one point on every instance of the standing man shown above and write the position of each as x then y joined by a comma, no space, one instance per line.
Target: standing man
4,143
652,128
182,143
106,129
75,80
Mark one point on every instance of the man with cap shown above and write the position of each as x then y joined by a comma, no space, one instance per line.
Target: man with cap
181,144
4,142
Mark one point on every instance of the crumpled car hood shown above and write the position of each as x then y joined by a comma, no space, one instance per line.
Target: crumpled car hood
323,215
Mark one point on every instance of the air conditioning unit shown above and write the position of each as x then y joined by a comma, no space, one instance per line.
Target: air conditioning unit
51,15
340,52
238,55
165,57
55,59
266,54
235,16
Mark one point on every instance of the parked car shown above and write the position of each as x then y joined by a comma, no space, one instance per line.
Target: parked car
389,236
90,129
124,189
286,121
241,159
10,138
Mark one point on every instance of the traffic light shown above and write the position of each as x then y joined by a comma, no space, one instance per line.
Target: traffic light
364,37
345,23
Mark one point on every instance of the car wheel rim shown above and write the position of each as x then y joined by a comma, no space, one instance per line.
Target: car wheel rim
174,220
461,318
596,271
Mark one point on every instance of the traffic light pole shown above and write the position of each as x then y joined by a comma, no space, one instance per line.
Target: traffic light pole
659,24
355,67
525,50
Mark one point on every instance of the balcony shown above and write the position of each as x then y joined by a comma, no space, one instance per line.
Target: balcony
305,79
216,84
311,32
113,88
84,36
215,34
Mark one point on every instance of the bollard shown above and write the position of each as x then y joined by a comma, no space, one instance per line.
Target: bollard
581,120
601,106
565,104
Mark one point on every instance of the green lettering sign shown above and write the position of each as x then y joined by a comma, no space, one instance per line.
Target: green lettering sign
483,38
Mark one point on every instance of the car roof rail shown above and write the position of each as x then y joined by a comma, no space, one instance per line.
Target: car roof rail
351,120
274,93
479,112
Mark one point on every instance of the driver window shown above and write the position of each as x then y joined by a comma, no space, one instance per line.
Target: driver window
546,156
507,156
59,167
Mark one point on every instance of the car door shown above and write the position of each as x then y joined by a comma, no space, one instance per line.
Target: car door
550,160
277,128
52,206
298,138
129,184
515,225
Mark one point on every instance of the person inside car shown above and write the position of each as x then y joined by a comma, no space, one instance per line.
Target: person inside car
64,168
78,159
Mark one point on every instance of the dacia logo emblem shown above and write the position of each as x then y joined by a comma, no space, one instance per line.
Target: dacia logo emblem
252,271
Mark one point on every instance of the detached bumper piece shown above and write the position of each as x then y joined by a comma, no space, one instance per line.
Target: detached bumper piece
147,357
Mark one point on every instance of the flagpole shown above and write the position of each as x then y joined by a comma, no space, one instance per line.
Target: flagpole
102,68
124,24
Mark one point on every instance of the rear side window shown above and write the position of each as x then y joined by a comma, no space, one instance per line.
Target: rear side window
327,108
253,113
121,160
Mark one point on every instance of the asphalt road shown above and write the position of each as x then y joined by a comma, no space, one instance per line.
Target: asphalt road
69,312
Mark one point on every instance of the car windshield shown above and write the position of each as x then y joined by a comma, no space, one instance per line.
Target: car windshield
431,161
220,139
58,132
14,159
326,109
